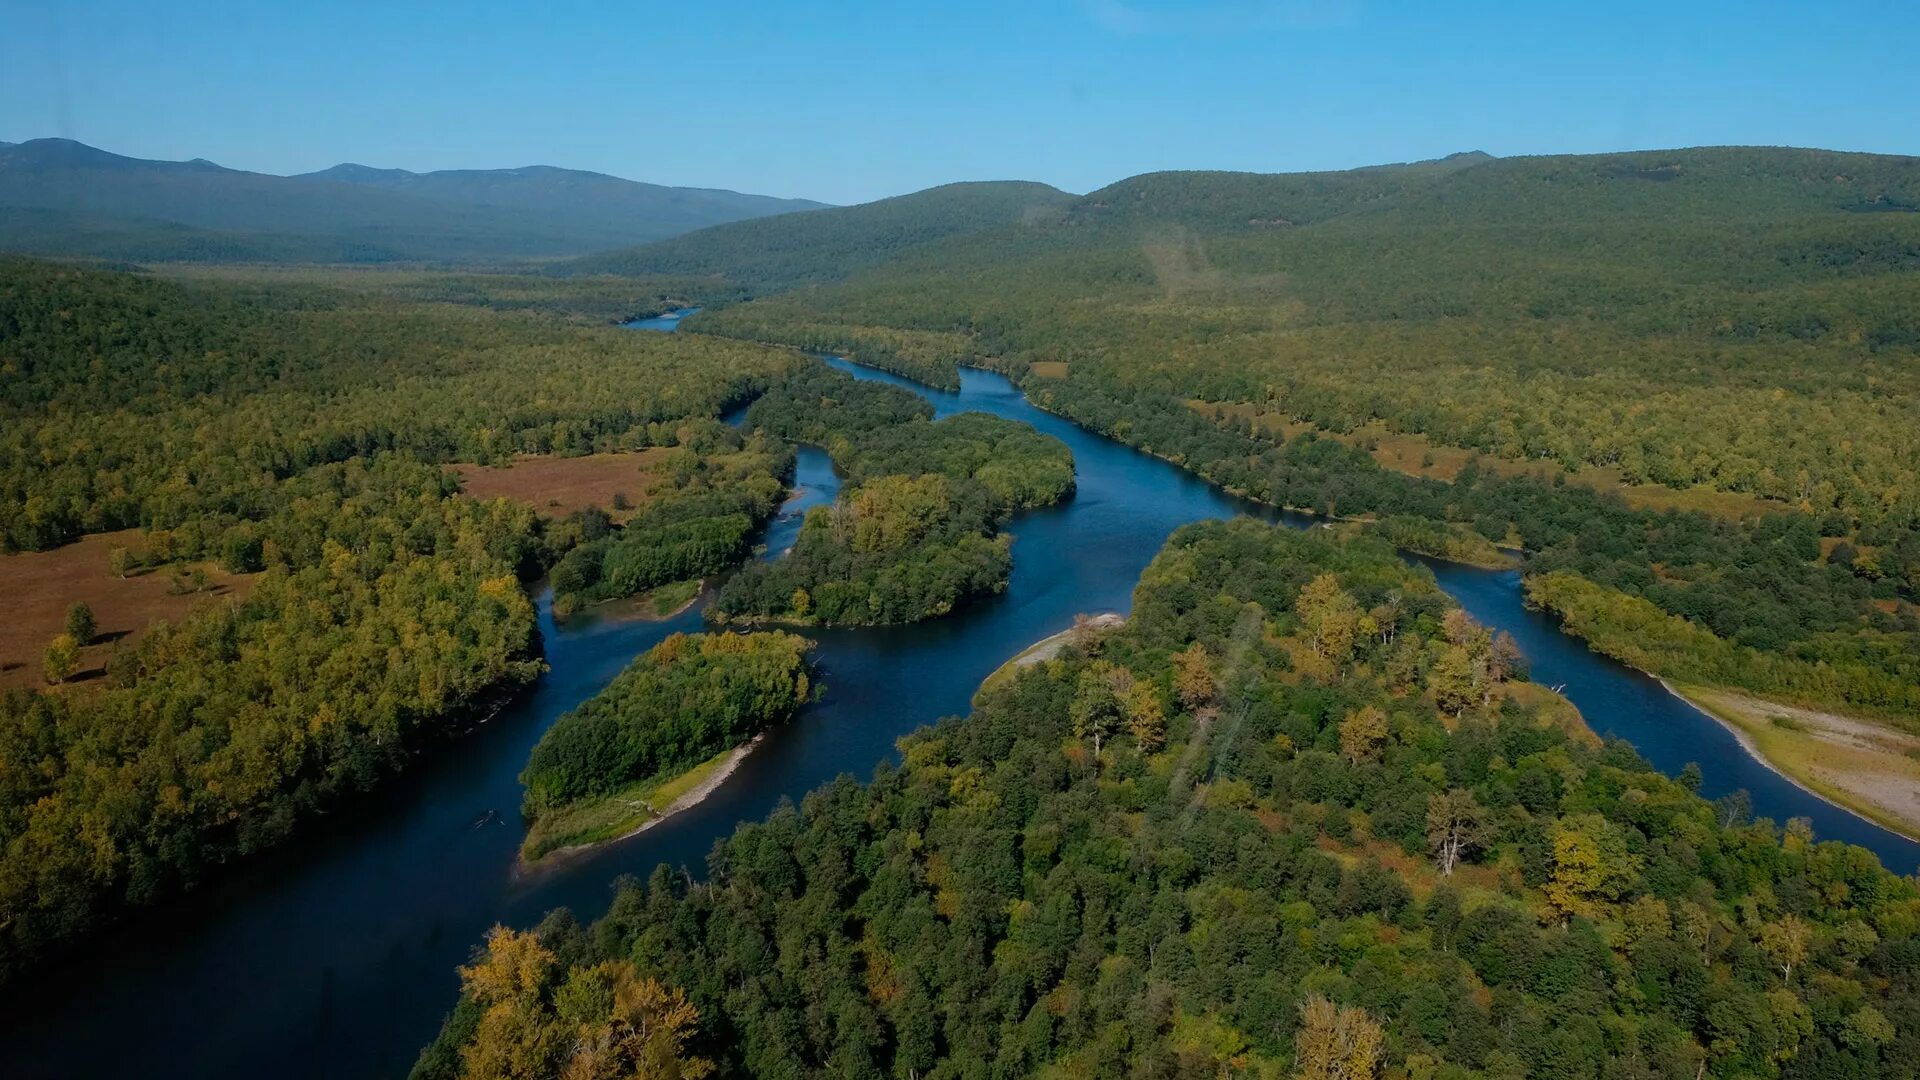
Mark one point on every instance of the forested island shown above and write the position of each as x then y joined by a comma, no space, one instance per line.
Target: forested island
626,755
1300,816
916,533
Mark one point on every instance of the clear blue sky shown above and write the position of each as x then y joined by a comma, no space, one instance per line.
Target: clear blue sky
853,101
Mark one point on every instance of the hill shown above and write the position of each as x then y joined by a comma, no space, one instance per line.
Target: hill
62,197
831,245
639,212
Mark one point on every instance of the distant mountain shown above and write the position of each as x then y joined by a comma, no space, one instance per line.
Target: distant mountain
828,245
662,211
58,196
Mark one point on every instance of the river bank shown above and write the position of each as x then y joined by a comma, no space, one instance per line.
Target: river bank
1863,768
1046,649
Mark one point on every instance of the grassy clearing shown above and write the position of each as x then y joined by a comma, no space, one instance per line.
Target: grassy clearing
668,600
1868,768
40,585
610,817
558,486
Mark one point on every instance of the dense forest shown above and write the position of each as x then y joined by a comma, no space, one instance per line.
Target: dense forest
216,394
686,699
1300,816
915,532
299,433
1591,326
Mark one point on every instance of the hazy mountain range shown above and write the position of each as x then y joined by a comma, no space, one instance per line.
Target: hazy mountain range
58,196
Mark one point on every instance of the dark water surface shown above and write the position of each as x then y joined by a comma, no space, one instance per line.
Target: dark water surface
335,957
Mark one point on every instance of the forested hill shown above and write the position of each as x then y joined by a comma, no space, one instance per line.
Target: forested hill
62,197
1672,187
791,250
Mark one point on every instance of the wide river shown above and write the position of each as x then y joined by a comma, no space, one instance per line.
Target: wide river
335,957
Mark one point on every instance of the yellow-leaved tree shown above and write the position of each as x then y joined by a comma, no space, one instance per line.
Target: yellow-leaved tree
603,1022
1336,1043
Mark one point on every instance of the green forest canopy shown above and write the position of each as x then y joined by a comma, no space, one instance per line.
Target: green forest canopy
1293,820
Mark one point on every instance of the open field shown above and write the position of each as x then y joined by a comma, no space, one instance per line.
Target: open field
1869,769
558,486
40,585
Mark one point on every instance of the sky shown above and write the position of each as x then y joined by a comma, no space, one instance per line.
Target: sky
854,101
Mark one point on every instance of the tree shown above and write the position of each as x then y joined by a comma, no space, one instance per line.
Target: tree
1330,616
119,562
1456,828
1193,681
1336,1043
1734,808
1590,865
1505,661
62,658
1095,708
1787,940
1386,618
516,1037
80,624
1146,717
1691,776
603,1022
627,1026
1364,734
1455,679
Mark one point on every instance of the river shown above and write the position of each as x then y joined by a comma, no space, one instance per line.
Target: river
335,956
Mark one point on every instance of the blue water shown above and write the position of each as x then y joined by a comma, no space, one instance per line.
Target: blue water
335,956
668,321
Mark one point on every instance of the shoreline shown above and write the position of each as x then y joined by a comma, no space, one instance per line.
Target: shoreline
1045,649
694,796
1752,750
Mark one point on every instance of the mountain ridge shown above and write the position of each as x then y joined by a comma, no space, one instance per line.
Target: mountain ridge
83,200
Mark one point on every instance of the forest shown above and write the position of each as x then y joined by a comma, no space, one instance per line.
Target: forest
299,433
915,533
684,700
1301,816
